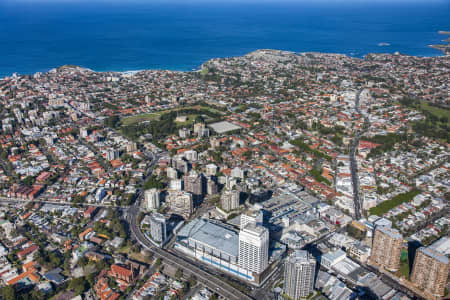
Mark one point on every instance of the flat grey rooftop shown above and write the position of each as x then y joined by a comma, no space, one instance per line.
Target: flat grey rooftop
434,254
212,235
224,126
393,233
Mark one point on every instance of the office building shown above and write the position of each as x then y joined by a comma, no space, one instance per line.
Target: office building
386,248
299,271
230,200
254,248
158,230
151,199
430,271
100,194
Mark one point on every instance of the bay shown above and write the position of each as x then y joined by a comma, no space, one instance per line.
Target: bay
116,36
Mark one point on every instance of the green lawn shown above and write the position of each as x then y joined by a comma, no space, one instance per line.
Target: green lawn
154,116
213,110
438,112
404,264
386,206
189,121
134,255
140,118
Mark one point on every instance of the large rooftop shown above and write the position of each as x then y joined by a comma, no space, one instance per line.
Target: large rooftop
442,245
212,235
224,126
393,233
254,229
300,256
434,254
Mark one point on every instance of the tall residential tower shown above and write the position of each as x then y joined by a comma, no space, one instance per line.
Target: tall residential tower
430,271
299,271
158,228
151,199
386,248
254,248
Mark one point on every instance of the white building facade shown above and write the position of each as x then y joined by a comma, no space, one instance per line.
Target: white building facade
254,248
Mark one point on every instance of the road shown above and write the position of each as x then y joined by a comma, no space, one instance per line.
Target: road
209,280
18,200
100,159
212,282
353,162
192,291
393,283
265,291
5,167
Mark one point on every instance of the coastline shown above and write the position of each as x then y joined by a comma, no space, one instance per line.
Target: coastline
197,68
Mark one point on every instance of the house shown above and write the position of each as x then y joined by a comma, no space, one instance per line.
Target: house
82,235
27,251
55,276
25,216
90,212
103,291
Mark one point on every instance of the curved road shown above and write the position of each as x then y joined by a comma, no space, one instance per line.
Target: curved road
209,280
214,283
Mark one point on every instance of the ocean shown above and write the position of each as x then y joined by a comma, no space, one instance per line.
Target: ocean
37,35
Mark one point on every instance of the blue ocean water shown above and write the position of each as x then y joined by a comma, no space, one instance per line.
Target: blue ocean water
117,36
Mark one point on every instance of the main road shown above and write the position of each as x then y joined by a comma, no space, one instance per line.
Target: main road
215,284
353,162
55,202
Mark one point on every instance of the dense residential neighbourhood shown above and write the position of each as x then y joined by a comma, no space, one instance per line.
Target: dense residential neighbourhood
274,175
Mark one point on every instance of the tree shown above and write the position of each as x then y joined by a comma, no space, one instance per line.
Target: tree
153,182
37,294
178,274
79,285
112,121
28,180
9,293
158,262
192,281
83,261
199,119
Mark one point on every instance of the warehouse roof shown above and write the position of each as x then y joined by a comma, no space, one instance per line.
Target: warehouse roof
224,126
212,235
